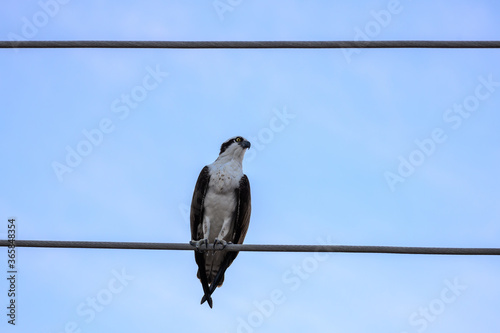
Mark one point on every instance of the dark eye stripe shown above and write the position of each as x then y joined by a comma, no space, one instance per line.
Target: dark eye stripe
225,145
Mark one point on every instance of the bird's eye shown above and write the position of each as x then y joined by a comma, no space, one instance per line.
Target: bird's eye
238,139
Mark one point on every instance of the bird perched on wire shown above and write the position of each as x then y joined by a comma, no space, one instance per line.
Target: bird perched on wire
220,213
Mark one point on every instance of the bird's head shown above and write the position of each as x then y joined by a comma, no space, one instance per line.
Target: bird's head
234,148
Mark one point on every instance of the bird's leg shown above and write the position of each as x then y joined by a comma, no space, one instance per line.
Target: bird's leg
199,243
222,234
204,240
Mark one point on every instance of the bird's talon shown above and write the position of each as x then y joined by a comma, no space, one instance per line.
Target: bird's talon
219,244
198,244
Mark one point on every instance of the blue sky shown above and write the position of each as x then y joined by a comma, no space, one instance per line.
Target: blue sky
350,147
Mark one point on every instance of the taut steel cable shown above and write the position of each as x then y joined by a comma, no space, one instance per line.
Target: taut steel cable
256,247
249,44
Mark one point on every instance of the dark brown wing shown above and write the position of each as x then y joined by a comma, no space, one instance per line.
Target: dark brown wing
243,210
200,190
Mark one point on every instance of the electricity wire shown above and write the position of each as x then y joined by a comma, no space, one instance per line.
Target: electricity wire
249,44
255,247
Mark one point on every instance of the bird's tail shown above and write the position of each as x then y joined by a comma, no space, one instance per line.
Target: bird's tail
200,260
209,299
217,281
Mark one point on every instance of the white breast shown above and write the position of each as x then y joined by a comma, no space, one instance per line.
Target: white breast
225,177
220,200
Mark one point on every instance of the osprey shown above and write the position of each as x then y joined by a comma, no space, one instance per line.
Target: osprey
220,213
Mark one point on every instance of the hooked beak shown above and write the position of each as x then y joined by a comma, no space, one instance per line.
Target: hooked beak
245,144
